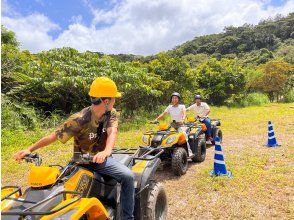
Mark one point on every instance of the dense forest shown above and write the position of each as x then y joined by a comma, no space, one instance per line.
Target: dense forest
241,66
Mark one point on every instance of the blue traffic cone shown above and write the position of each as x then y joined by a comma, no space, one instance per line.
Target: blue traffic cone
219,167
272,142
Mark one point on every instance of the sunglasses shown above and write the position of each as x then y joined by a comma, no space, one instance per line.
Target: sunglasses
96,101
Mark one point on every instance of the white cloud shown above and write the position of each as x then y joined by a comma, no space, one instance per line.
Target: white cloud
32,31
144,26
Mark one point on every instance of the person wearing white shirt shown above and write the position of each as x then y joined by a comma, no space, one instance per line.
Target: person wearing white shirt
201,110
177,112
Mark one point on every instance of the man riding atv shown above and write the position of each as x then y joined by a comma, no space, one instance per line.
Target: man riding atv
201,110
95,130
177,112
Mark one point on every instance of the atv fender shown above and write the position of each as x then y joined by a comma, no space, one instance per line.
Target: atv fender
144,180
91,207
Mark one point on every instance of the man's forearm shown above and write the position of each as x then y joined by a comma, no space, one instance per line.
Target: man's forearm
110,142
43,142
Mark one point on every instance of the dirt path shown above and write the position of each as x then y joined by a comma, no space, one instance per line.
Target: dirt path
266,191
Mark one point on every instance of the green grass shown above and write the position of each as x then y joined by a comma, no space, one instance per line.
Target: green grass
262,186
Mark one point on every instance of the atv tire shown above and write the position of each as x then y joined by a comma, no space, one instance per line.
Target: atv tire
200,153
218,133
156,203
180,161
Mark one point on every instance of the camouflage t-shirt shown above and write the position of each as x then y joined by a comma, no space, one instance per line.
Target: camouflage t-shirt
83,127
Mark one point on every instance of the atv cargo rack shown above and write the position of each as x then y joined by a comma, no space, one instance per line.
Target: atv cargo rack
28,211
141,153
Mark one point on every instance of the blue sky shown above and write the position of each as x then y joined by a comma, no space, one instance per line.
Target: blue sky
128,26
61,12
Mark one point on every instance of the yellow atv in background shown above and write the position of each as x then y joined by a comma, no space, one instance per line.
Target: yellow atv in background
174,145
215,130
74,192
198,136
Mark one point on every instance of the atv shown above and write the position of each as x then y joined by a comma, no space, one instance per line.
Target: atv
215,123
198,136
74,192
174,145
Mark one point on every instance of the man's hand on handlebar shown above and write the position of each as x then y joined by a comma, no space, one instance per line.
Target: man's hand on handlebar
100,157
21,154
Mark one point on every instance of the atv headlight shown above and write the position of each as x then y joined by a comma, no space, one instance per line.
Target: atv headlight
170,139
145,139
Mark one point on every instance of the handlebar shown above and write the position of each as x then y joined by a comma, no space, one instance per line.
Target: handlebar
82,158
154,122
33,158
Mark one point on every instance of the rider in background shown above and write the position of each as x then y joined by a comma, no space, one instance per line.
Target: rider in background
202,110
177,112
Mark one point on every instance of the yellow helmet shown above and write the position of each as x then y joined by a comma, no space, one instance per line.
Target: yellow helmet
103,87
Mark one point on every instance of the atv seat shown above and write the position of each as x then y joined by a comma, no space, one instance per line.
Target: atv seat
125,159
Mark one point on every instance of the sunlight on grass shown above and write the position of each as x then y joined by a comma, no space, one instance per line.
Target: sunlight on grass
262,183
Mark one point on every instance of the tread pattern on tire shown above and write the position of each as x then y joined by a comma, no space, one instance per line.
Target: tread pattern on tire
177,161
155,190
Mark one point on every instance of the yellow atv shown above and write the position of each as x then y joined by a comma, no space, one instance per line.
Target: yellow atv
73,192
198,136
174,145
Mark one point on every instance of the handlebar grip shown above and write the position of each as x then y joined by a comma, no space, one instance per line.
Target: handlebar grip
33,158
154,122
87,157
30,156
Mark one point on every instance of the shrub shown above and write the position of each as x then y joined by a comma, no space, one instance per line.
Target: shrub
289,96
18,116
251,99
255,99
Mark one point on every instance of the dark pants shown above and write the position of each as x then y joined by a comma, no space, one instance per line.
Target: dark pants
207,122
125,177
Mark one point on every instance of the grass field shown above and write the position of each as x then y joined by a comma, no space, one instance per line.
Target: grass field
263,182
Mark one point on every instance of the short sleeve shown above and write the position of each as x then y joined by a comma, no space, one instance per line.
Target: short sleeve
206,106
167,109
113,121
68,129
183,108
192,107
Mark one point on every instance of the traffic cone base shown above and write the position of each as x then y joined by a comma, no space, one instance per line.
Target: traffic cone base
228,174
219,167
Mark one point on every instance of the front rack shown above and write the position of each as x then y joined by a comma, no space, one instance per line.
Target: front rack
140,153
28,211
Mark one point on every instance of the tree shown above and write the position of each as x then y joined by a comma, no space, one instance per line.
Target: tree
219,80
273,80
8,37
287,53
